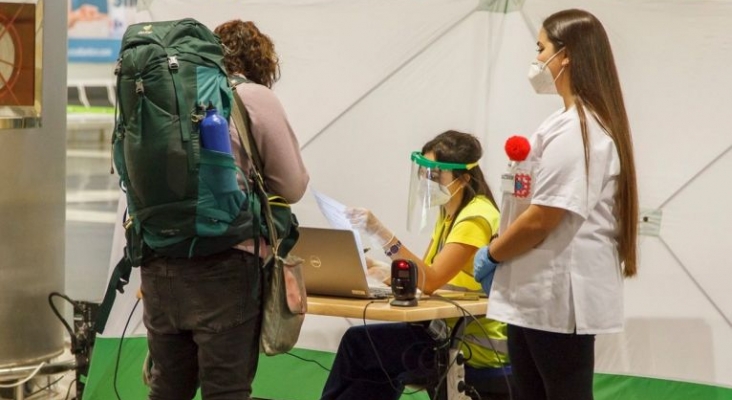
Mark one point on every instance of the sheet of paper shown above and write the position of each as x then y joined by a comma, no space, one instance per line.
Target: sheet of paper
335,213
332,210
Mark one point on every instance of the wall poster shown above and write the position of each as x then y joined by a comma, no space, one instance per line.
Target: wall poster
21,52
96,28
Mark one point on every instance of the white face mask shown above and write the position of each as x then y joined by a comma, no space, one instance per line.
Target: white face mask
541,77
434,193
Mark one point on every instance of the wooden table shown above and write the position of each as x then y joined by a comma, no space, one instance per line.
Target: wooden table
429,307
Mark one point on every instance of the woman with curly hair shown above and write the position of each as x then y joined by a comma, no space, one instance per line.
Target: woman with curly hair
249,55
249,52
214,344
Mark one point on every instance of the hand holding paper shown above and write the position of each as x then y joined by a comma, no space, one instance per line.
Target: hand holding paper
366,221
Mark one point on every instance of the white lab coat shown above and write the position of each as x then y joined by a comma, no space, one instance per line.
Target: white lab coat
573,278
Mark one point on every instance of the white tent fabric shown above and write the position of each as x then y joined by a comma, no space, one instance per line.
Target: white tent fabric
367,82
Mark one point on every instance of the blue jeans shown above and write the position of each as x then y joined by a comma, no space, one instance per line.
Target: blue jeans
203,321
401,354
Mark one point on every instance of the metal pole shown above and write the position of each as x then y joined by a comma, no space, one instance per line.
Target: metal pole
14,373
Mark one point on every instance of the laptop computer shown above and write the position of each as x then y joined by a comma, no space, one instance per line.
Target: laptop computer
334,264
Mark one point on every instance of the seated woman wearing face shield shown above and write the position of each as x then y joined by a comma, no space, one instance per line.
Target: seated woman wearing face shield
376,361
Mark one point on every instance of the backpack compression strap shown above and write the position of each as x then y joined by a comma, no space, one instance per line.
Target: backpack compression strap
120,277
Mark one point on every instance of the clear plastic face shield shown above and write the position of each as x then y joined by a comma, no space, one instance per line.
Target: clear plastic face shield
429,188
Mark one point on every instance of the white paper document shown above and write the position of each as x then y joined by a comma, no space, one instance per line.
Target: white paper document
332,210
335,213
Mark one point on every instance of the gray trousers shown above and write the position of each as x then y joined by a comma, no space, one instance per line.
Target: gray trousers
203,321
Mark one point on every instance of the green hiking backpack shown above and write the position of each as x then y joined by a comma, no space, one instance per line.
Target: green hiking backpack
183,200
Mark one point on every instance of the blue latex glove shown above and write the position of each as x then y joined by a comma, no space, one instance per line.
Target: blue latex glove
484,269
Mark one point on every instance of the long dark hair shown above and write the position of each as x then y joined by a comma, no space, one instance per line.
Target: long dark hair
249,52
462,148
595,85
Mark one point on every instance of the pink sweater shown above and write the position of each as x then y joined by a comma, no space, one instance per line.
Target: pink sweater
283,170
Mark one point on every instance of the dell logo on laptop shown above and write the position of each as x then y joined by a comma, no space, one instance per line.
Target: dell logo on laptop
315,261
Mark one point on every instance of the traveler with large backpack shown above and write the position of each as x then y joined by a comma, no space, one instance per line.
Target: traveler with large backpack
202,304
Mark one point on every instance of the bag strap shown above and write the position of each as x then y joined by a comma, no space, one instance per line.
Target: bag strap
240,116
243,123
280,246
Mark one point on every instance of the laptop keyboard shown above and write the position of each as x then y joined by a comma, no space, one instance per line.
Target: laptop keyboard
380,292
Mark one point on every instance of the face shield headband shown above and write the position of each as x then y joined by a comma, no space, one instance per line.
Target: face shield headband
422,161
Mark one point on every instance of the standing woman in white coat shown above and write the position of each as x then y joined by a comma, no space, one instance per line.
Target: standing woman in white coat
569,240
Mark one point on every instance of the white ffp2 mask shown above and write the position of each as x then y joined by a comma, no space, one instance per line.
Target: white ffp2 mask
541,77
434,193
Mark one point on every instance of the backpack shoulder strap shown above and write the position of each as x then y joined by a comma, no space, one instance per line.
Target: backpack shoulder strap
241,120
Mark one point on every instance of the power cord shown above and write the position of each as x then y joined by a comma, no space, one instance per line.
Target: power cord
373,346
482,328
308,360
119,349
82,336
44,388
68,390
443,377
450,363
376,354
72,336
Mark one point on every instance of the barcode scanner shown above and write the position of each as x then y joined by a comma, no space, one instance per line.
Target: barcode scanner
404,283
